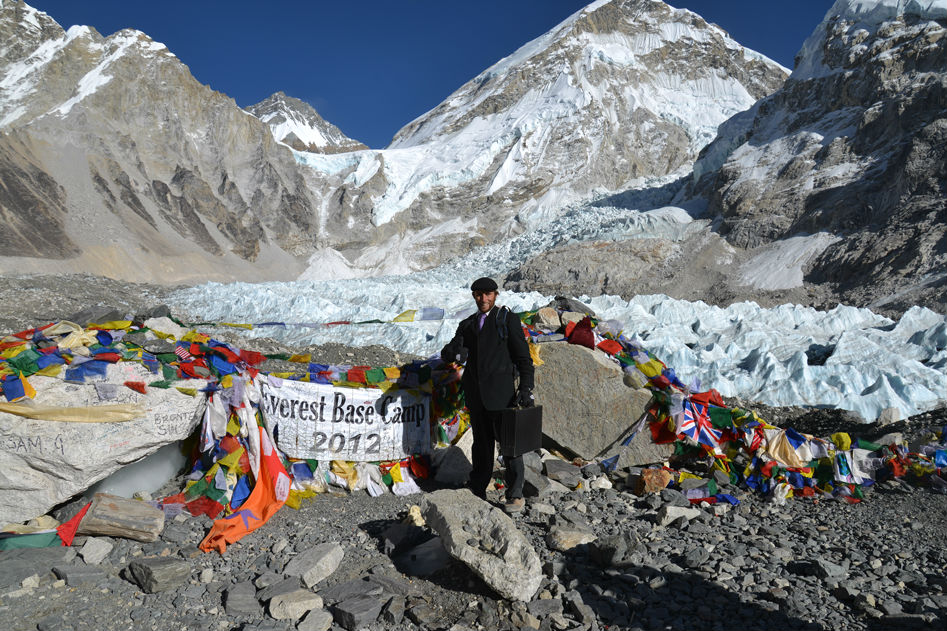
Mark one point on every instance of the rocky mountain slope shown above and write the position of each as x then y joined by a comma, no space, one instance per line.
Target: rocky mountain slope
830,189
116,161
621,93
298,124
854,145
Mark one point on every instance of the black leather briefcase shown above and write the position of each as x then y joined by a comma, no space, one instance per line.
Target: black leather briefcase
521,430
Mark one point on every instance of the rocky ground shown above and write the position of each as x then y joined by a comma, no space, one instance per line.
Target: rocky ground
610,559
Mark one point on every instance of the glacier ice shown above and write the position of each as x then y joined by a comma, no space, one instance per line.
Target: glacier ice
742,350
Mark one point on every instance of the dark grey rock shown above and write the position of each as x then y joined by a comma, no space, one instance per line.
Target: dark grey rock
422,615
240,599
76,575
351,589
16,565
159,574
358,612
673,497
284,586
543,607
696,557
393,611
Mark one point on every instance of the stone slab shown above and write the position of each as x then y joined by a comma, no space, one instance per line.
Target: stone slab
115,516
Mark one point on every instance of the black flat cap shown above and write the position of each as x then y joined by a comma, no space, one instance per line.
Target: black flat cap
483,284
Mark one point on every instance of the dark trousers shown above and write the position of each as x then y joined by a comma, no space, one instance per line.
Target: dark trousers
485,424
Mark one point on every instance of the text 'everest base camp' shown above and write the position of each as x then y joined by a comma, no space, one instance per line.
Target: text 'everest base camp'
637,329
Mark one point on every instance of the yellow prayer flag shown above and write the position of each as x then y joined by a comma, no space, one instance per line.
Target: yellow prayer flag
301,359
651,368
238,325
191,392
114,324
13,351
233,425
843,442
50,371
392,372
395,473
28,390
227,381
406,316
231,460
534,354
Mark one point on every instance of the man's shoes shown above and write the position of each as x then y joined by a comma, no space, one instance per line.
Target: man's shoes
515,505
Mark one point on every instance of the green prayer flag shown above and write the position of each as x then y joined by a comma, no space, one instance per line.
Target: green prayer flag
720,417
375,375
32,540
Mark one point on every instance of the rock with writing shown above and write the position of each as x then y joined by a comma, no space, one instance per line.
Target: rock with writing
45,462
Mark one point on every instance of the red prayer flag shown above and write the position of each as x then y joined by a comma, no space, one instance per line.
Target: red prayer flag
137,386
611,347
67,531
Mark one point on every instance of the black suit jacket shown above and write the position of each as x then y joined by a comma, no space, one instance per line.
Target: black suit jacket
489,373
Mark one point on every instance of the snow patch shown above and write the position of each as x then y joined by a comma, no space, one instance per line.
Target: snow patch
778,265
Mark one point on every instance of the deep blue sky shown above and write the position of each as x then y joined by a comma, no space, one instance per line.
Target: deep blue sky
372,66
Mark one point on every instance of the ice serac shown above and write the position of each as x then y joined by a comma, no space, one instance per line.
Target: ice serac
113,157
299,125
854,144
620,93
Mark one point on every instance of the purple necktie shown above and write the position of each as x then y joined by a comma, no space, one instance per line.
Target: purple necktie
483,317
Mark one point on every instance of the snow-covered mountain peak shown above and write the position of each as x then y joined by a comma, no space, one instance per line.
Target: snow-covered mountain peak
843,37
297,124
620,93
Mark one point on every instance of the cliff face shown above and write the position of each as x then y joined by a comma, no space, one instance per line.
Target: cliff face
113,156
855,145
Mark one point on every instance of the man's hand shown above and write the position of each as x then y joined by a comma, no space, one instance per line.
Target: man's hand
455,354
524,398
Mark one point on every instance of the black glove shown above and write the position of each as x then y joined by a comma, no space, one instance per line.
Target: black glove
524,398
456,354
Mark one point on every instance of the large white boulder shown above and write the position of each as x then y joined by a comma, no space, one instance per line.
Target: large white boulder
43,462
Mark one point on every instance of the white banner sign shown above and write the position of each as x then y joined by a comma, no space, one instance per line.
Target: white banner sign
360,424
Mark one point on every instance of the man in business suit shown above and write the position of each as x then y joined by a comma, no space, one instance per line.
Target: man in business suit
492,343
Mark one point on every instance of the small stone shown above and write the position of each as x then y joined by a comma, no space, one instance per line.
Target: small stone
280,545
293,605
94,550
241,599
316,564
76,575
357,613
651,481
563,538
30,581
422,615
669,514
284,586
544,607
315,620
159,574
696,557
207,575
393,612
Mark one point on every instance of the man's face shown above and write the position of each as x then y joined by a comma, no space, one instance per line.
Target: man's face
485,300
